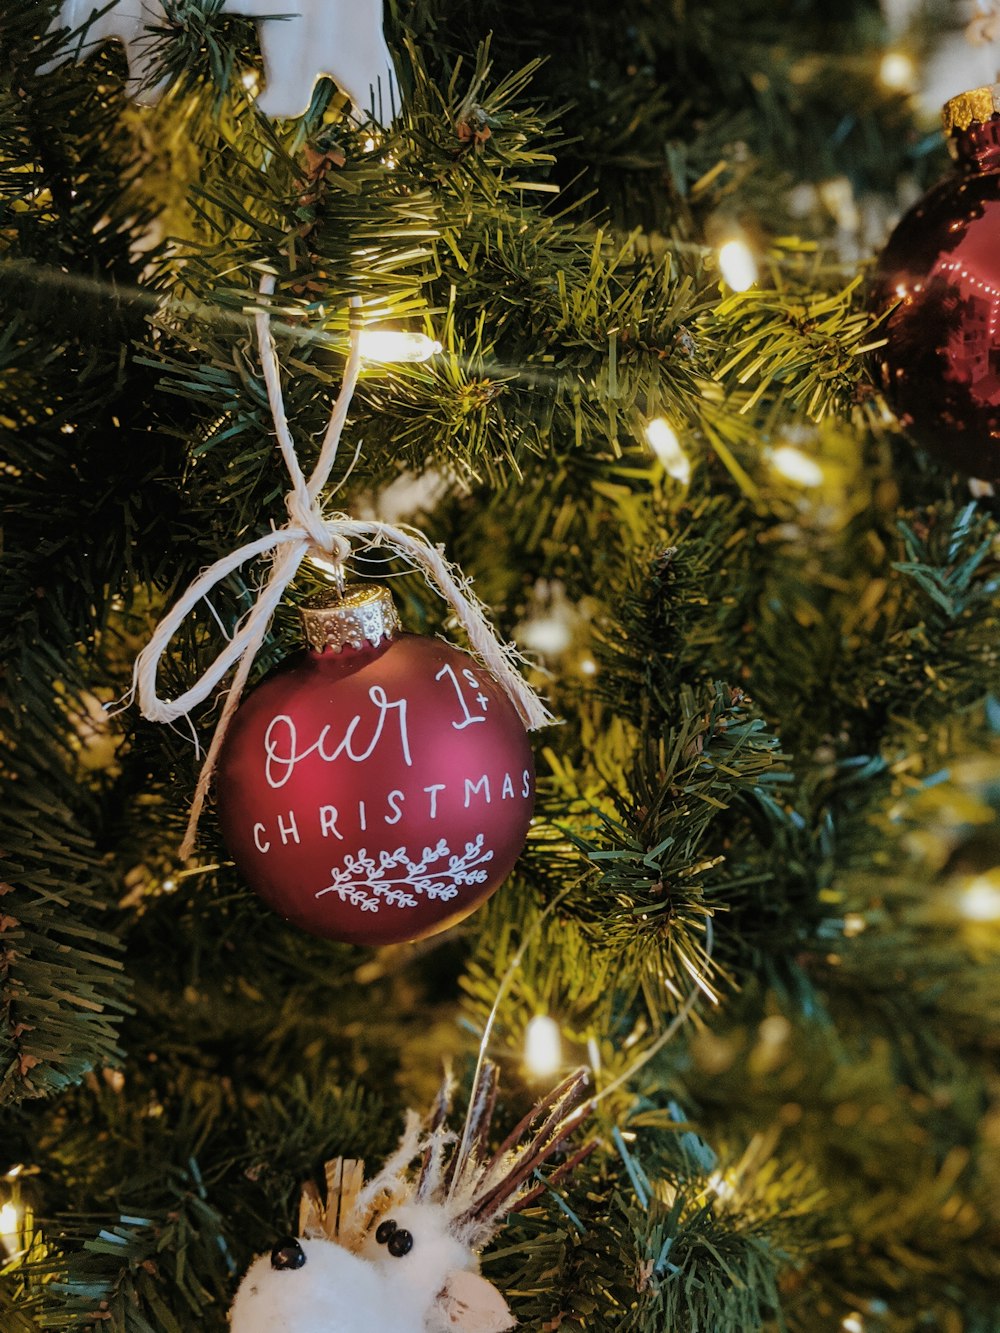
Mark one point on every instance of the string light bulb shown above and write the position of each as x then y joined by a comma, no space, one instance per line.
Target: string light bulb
738,265
980,899
550,635
662,439
10,1227
796,466
897,72
543,1046
397,345
722,1188
551,623
852,1323
371,144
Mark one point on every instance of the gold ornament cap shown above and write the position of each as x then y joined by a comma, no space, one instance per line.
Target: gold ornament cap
362,616
972,108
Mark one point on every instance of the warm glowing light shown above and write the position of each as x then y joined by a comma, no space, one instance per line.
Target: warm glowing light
543,1046
662,439
720,1186
853,1323
796,466
588,667
551,635
775,1030
897,72
854,924
251,82
397,345
738,265
370,144
980,900
10,1227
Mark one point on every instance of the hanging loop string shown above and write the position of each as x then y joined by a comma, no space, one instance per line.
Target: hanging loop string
307,531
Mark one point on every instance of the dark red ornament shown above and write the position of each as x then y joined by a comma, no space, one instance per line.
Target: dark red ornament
378,786
940,367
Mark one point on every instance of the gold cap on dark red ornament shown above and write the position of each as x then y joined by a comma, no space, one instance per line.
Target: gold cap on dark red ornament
975,107
363,616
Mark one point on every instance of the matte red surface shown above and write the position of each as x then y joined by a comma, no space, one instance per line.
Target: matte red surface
376,796
940,368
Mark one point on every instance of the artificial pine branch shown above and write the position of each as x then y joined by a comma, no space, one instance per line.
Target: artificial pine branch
546,218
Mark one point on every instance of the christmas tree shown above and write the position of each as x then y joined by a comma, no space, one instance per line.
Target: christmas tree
638,408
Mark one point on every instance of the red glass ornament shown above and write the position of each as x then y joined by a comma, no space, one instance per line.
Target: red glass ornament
377,790
940,367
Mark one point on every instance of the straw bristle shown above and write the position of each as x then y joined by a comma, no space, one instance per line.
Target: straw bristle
333,1217
477,1189
491,1190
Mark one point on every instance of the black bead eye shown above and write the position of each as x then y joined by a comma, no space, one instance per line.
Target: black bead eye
400,1243
288,1253
385,1230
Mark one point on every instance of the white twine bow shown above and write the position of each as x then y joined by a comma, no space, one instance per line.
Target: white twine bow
307,531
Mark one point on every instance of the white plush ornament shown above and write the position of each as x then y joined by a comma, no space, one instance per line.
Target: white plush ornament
333,1292
400,1253
129,21
342,39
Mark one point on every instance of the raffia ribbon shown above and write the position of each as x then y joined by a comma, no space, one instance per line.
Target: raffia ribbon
310,531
